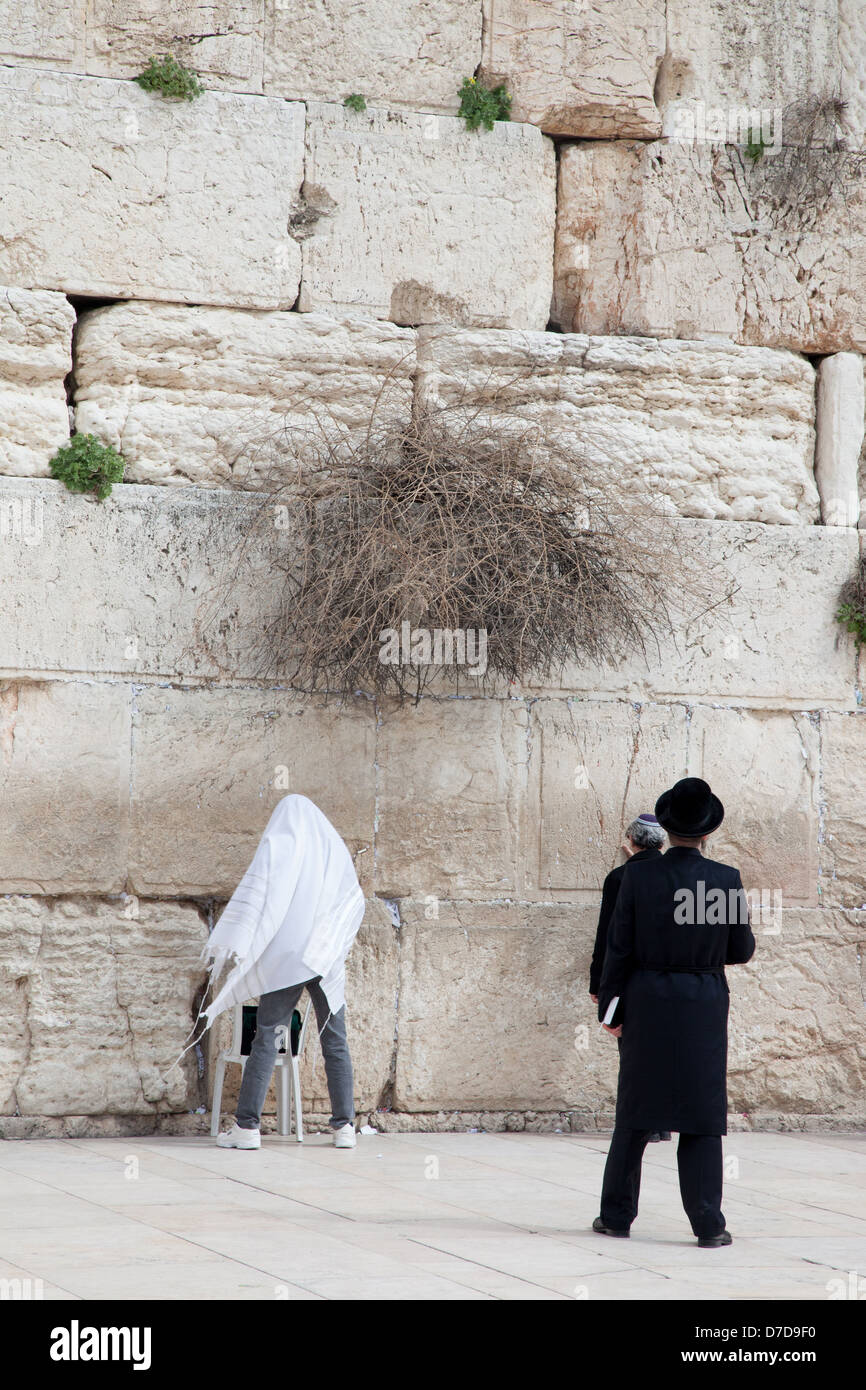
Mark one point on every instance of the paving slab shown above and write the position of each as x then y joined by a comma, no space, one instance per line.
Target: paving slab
421,1217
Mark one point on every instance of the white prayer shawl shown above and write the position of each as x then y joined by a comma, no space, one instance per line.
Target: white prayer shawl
293,916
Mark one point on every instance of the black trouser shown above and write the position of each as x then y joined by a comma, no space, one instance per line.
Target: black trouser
699,1160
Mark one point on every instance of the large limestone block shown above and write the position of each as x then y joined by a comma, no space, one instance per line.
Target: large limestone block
64,785
153,581
416,219
495,1012
414,54
713,430
46,32
843,844
135,179
35,357
796,1023
765,767
676,240
450,777
223,42
204,395
840,437
209,766
101,1004
578,69
773,643
747,58
597,767
852,54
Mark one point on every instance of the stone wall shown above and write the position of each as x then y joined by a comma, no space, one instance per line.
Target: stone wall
184,280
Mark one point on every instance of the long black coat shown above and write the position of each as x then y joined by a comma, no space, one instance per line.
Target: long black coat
669,974
609,895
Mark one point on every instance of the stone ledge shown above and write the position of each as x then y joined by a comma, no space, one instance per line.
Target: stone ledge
14,1127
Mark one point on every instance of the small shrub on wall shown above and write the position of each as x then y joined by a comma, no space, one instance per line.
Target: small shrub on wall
851,611
85,464
170,79
483,105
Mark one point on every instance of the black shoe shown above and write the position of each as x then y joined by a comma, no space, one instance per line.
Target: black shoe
710,1242
598,1225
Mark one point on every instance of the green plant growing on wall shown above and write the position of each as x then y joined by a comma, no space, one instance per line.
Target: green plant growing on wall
853,620
483,105
85,464
851,611
356,102
755,146
170,78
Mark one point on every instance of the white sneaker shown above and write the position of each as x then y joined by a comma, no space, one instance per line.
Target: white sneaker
236,1138
345,1138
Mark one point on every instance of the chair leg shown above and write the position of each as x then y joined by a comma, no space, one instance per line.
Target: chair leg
296,1087
219,1077
284,1109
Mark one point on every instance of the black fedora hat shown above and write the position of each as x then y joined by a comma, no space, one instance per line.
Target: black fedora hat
690,809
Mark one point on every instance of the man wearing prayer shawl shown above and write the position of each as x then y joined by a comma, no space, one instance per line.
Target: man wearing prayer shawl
288,927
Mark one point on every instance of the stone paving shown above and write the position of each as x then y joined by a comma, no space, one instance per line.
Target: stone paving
420,1216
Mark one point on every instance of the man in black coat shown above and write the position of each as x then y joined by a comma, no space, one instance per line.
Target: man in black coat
678,921
643,839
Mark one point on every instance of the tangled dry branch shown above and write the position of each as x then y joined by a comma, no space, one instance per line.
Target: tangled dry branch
454,523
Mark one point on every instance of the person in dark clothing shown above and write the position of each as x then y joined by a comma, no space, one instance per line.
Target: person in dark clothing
678,921
643,839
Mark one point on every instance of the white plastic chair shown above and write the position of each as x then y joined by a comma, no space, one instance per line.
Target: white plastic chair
287,1071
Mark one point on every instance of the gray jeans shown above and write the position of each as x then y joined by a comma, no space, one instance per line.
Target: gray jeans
274,1016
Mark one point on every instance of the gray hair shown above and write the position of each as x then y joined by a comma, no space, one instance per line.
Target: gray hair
645,836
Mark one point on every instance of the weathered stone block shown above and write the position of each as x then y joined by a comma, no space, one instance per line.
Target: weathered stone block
598,766
64,782
35,357
673,240
495,1012
774,642
577,70
852,55
223,42
133,181
209,766
50,32
716,431
450,779
206,395
840,437
414,55
416,219
796,1021
101,1004
719,60
765,768
843,846
167,582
